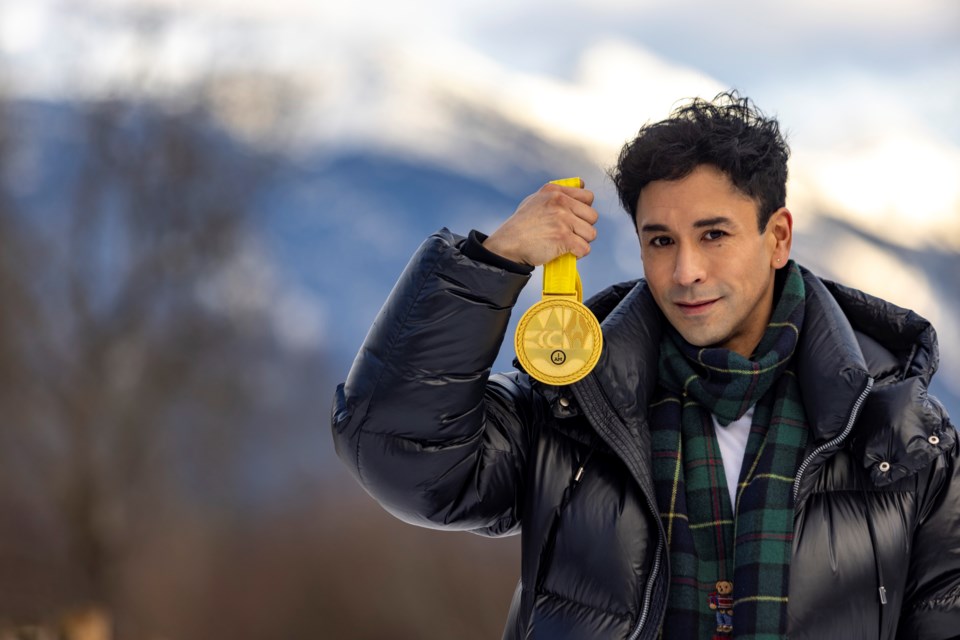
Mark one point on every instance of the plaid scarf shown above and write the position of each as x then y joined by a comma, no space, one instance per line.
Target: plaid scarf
710,540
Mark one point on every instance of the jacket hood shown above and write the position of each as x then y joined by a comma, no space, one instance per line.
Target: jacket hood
901,424
849,335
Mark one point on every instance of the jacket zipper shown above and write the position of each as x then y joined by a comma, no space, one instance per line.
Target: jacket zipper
648,592
568,493
854,412
652,506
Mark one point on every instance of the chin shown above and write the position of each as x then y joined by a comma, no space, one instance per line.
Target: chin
700,340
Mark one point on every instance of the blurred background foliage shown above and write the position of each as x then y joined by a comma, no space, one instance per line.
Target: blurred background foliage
141,395
148,407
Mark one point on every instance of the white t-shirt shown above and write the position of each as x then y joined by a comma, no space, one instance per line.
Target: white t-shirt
732,440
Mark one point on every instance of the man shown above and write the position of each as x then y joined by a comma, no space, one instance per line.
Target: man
754,456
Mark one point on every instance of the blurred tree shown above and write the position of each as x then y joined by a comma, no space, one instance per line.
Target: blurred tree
137,358
110,358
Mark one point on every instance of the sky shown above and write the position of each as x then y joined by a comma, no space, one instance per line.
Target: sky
868,90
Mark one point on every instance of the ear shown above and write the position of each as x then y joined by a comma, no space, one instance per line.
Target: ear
780,236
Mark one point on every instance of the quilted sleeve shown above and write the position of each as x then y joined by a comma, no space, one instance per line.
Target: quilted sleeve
419,421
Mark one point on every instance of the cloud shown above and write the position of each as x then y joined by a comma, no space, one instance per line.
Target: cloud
898,186
614,88
878,145
617,87
848,15
22,27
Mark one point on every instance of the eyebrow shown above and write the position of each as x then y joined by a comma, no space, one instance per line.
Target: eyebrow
699,224
713,222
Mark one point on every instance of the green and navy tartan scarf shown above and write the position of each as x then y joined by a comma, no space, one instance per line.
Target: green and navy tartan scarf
710,540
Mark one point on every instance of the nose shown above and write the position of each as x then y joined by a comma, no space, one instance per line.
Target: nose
690,268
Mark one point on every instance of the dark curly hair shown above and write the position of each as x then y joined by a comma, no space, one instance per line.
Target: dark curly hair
728,132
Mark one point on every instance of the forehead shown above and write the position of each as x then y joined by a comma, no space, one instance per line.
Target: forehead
705,193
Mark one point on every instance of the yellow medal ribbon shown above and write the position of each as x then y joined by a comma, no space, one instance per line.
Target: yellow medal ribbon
558,340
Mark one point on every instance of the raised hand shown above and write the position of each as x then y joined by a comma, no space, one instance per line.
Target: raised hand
549,223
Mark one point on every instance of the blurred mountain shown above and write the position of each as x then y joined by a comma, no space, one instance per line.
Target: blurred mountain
337,222
347,223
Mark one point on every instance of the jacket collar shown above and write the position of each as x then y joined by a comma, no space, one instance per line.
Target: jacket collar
628,367
847,338
901,424
830,365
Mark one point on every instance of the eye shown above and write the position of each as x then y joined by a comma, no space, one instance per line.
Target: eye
660,241
714,234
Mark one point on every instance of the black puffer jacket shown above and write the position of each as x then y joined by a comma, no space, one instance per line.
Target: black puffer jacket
439,444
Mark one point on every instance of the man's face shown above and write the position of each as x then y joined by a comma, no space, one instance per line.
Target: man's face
709,268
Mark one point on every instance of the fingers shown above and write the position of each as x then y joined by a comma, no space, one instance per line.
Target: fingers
578,246
577,202
573,217
579,237
583,195
553,221
583,229
585,212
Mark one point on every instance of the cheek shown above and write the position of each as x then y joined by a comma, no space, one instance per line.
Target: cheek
655,266
749,272
658,279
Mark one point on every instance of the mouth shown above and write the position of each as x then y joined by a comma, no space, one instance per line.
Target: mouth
695,308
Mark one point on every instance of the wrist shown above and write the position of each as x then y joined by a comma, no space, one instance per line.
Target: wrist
495,246
475,248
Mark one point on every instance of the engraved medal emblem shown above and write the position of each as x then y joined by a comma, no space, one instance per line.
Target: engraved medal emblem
558,340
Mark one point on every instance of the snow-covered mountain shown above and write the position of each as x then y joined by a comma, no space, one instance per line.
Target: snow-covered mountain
347,226
414,147
372,154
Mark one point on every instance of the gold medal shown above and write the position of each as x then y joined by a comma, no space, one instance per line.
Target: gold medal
558,340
